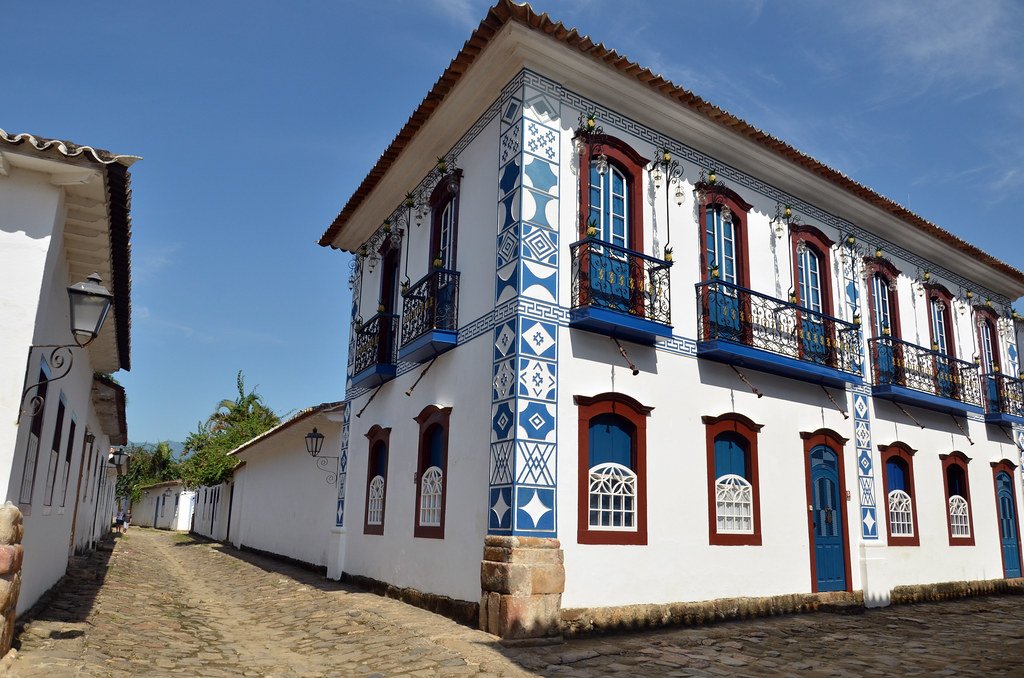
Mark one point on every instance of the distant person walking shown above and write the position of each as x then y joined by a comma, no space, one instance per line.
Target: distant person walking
119,522
127,521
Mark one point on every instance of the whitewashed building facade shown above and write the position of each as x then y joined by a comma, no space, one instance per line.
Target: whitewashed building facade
165,506
637,351
64,214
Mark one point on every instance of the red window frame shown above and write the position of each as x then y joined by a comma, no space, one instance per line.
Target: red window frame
821,244
884,268
732,422
374,436
958,460
635,413
986,315
632,165
936,291
719,196
906,454
826,436
430,416
439,199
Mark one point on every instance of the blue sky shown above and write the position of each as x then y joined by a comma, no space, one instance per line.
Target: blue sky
256,121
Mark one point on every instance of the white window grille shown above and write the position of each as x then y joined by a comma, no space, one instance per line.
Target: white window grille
734,498
901,517
959,517
612,498
430,497
375,511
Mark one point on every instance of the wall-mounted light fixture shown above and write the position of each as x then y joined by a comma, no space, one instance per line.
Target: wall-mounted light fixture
90,303
314,444
666,168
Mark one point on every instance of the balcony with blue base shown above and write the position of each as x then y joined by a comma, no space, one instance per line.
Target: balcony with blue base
738,326
373,360
430,317
1004,399
913,375
620,293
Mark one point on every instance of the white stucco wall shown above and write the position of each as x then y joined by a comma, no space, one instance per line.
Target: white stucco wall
165,507
283,504
210,516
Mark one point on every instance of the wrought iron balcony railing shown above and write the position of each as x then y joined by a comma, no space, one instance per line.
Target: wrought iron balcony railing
1003,394
375,342
732,313
431,304
899,363
618,279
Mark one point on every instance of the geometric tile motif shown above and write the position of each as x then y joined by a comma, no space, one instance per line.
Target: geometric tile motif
541,175
508,246
539,281
539,208
339,520
539,244
509,178
502,420
510,145
504,340
860,406
864,463
501,463
541,141
510,113
537,379
500,508
535,463
538,338
867,491
863,434
537,422
535,509
540,107
504,379
869,524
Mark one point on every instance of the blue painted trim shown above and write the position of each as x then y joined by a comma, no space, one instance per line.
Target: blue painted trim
732,353
375,375
1003,418
428,345
617,324
920,399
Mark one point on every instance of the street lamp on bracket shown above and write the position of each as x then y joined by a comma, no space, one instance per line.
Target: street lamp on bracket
314,444
90,303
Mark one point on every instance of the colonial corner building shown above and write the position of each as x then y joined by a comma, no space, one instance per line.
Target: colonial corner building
635,351
64,249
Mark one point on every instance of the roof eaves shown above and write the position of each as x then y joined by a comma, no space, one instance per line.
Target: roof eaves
299,416
505,11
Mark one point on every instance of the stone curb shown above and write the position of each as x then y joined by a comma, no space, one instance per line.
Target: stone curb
921,593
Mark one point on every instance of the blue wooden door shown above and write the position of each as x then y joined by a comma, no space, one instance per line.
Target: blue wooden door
156,511
827,514
1008,525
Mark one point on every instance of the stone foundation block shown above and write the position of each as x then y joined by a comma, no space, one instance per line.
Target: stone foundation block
11,556
12,528
522,579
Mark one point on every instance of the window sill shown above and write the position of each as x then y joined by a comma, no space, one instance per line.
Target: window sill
727,539
904,541
611,537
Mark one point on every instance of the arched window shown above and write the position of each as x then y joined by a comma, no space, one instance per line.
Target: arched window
432,472
898,460
958,499
376,479
734,515
612,470
940,320
884,300
444,223
723,246
611,191
988,340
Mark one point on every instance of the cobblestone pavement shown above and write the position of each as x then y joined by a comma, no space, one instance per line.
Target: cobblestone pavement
169,604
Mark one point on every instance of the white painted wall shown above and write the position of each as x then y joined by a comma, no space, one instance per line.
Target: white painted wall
283,504
165,507
210,516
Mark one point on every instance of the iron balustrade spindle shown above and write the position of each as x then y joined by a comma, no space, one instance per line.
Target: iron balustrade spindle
732,313
431,304
619,279
375,342
1003,394
900,363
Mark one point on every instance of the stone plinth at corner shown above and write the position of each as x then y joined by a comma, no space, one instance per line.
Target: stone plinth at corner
522,580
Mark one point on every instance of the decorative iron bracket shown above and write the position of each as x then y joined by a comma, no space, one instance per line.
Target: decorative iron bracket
60,361
323,465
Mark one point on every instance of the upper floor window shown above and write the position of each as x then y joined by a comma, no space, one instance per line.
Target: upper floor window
811,268
612,470
611,190
988,340
884,302
376,479
958,499
723,214
733,503
940,320
444,203
432,472
898,479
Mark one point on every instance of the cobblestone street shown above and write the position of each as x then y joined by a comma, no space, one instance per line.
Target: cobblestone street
170,604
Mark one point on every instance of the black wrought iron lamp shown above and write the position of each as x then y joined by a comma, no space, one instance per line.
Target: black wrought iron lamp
314,444
90,303
666,168
119,458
